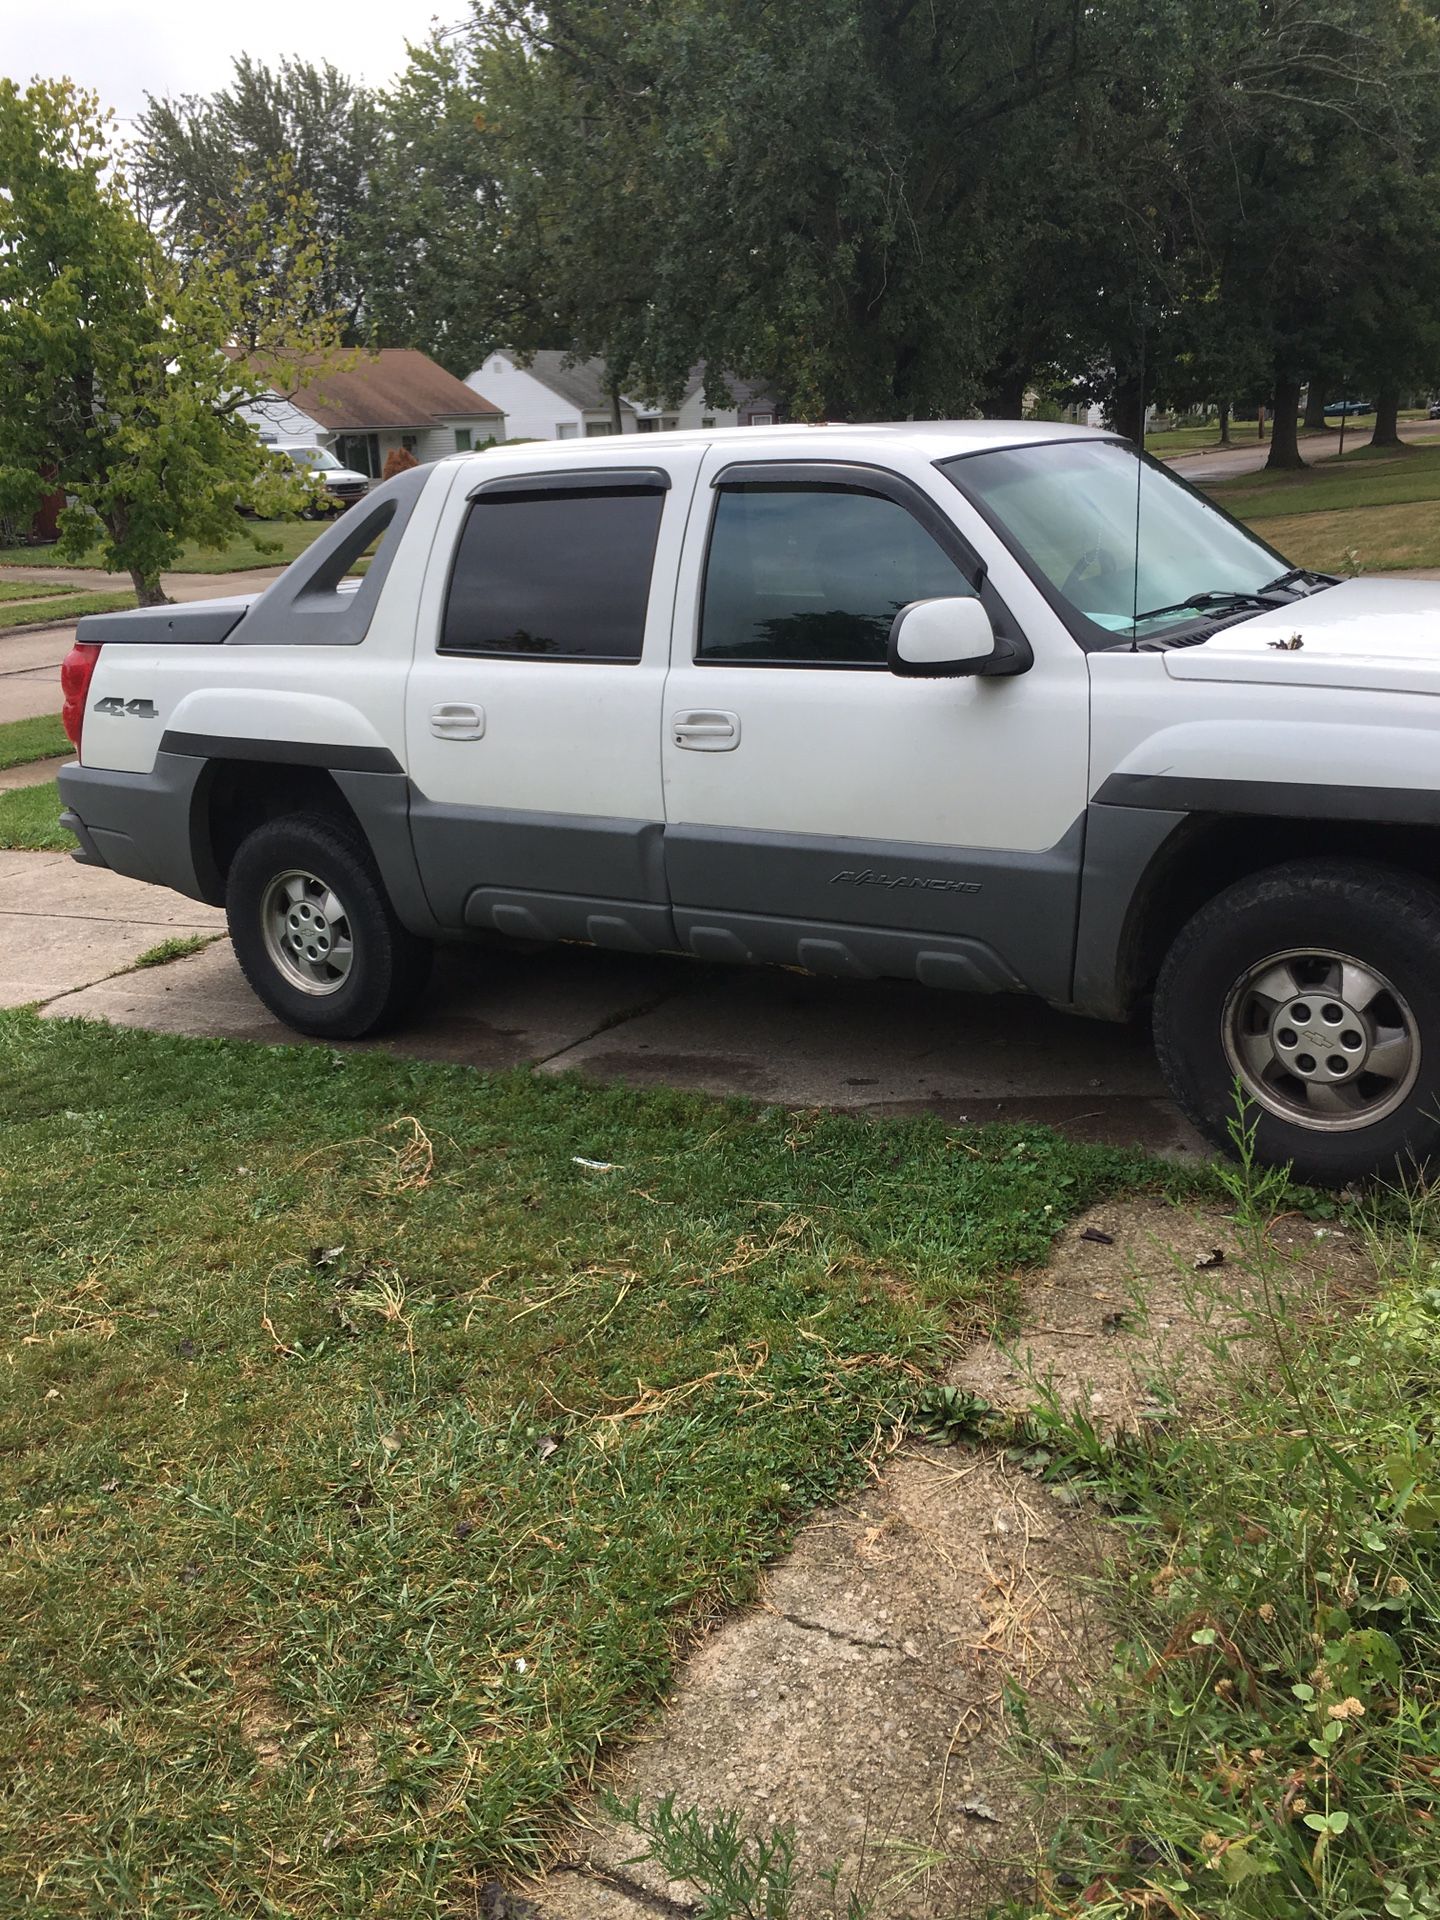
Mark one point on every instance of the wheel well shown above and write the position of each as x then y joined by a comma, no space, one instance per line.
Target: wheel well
1211,852
233,797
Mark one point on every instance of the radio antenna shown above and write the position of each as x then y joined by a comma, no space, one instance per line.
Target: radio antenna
1139,476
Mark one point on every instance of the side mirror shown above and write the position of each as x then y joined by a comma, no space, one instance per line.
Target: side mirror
943,639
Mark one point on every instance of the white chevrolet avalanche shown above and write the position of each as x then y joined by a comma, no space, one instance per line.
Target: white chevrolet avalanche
995,706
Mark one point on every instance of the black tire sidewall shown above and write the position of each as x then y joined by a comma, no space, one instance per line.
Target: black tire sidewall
1387,921
337,857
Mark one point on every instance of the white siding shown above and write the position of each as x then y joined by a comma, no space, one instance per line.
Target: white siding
531,410
281,419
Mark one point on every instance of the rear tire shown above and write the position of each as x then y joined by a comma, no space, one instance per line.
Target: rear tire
314,930
1316,985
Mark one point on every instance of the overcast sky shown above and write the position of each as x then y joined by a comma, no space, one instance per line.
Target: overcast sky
124,49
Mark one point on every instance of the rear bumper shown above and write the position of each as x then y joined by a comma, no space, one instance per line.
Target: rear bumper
139,824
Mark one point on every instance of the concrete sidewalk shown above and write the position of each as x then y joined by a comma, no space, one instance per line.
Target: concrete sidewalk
67,934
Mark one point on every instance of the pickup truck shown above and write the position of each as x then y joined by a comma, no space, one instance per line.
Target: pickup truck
1000,707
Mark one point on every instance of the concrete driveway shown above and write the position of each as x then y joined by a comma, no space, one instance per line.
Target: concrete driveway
68,934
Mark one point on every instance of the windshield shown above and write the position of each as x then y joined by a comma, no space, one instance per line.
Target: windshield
318,459
1070,508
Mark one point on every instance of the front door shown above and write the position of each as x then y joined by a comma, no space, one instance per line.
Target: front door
823,811
533,708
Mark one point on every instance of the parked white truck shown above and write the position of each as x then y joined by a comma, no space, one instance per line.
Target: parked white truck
993,706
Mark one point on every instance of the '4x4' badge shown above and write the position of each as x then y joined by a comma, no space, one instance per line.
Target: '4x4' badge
136,709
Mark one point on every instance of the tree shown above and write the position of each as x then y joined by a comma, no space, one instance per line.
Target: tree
810,192
118,377
434,215
272,134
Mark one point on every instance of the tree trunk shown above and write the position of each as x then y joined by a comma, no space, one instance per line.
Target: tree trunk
1127,409
1005,395
617,419
1284,441
1387,419
1315,405
148,590
1224,423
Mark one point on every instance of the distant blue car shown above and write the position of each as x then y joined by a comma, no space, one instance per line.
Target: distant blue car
1350,406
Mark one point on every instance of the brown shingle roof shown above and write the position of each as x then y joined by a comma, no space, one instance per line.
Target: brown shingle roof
394,387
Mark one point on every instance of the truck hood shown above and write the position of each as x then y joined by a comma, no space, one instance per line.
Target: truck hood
1378,634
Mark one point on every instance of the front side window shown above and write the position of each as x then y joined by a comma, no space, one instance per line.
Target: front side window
804,575
561,576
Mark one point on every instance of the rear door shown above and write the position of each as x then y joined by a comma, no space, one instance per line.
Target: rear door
534,703
824,811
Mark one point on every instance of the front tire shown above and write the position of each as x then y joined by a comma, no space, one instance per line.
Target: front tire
314,930
1316,987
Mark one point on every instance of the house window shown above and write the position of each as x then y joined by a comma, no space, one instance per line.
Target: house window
762,420
558,576
806,575
597,429
708,421
407,441
565,430
646,423
462,439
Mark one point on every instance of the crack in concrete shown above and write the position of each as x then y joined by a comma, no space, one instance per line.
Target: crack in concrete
612,1020
834,1633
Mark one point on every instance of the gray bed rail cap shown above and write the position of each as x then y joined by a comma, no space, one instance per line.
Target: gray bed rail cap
201,623
308,606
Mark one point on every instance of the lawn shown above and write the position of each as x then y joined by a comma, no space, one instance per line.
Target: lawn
376,1433
29,589
262,544
1370,510
22,741
30,820
68,605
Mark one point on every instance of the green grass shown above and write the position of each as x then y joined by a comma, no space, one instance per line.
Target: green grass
29,589
1268,1745
30,820
23,741
179,947
70,605
368,1457
262,543
1384,478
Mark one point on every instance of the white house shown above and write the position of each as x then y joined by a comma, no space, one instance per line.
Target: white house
396,397
552,397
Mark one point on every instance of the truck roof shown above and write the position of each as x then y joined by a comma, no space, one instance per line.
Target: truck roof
935,439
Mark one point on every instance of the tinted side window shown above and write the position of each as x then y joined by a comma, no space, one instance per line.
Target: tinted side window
563,576
806,575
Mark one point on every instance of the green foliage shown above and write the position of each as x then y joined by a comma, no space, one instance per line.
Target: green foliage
116,380
272,136
1268,1747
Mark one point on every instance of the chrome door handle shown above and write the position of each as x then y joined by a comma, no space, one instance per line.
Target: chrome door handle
708,730
456,720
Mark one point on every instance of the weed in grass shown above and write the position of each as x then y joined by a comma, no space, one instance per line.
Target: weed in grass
738,1876
366,1462
1269,1747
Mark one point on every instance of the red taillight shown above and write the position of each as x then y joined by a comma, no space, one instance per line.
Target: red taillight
77,670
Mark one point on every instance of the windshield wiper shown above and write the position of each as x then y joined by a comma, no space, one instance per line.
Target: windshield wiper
1301,576
1213,598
